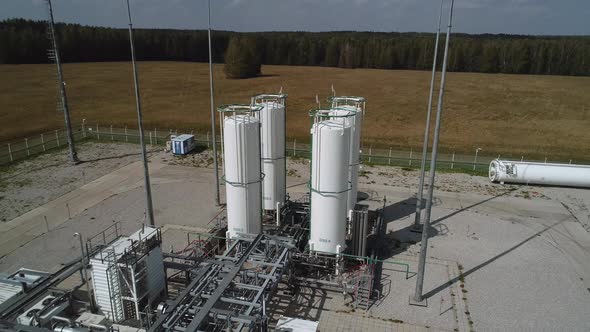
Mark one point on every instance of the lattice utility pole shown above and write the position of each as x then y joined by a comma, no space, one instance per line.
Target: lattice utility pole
54,55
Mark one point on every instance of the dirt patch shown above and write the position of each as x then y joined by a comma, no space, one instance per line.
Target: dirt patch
38,180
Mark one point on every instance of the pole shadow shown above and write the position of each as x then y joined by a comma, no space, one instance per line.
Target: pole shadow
447,284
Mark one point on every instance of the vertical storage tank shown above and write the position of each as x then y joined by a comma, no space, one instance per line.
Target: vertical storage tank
354,121
356,105
242,174
329,184
272,148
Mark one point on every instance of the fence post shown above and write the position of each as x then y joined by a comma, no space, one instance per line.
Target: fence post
27,146
370,152
83,128
176,132
389,161
294,147
150,138
127,137
411,151
570,161
545,160
521,158
46,223
97,133
208,146
156,135
43,142
112,133
453,160
10,152
57,137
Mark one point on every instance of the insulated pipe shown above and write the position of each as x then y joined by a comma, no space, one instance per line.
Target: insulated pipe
64,320
278,214
509,171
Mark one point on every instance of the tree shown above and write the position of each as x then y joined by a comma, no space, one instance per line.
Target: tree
241,58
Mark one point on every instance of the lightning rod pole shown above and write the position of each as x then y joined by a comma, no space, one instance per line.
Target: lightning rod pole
146,174
215,162
427,128
418,297
62,89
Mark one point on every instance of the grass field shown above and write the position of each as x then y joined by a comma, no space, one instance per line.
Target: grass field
507,114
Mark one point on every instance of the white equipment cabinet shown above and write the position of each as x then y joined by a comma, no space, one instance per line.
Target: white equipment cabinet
128,275
182,144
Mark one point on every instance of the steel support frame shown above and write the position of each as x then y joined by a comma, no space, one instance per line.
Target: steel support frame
237,291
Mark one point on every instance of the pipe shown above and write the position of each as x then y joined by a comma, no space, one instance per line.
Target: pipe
85,272
278,214
64,320
70,329
97,326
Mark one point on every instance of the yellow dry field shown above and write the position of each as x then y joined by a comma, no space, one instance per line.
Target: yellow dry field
507,114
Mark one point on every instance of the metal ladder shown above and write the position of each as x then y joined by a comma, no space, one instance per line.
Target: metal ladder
114,286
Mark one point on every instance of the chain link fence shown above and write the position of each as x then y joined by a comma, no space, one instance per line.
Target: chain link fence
24,148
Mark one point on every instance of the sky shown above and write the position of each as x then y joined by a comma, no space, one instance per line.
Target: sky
534,17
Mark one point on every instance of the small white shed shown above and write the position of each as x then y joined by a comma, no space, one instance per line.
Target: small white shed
183,144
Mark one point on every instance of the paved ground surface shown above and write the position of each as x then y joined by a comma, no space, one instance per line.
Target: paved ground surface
500,257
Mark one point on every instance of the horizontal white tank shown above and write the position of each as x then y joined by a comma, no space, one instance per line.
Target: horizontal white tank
242,174
355,122
272,149
540,173
329,185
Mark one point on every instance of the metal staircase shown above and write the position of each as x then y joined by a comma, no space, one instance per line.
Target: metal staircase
364,287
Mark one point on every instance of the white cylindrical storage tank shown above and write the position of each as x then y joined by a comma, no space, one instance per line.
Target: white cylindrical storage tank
355,122
272,149
540,173
242,174
329,185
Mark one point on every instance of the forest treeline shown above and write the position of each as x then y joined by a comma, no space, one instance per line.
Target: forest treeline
25,41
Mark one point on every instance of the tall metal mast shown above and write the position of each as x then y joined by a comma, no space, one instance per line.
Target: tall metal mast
54,54
215,166
427,128
424,244
146,174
